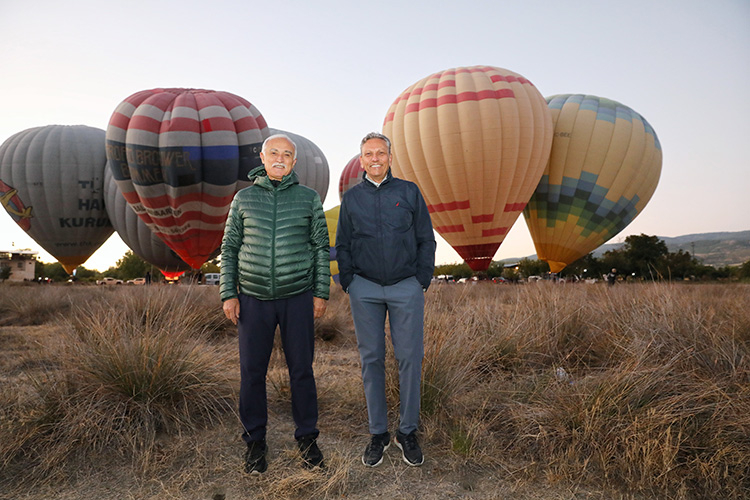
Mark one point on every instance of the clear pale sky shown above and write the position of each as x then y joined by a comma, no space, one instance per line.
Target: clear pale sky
329,70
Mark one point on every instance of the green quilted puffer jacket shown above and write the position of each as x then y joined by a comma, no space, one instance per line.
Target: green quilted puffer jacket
275,242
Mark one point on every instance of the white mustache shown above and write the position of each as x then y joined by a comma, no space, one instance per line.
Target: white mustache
282,165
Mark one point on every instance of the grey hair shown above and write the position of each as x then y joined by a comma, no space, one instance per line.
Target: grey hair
280,136
375,135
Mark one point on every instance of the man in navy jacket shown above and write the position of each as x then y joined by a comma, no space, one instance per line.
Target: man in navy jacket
385,250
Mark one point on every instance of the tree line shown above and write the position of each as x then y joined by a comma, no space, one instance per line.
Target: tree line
642,257
129,267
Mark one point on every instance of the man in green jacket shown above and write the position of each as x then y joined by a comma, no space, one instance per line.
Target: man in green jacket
275,271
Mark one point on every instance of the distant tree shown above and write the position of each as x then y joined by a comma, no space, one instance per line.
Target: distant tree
212,266
113,272
458,271
645,255
511,274
53,271
587,266
528,267
680,265
615,259
131,266
83,274
744,271
496,269
38,269
5,273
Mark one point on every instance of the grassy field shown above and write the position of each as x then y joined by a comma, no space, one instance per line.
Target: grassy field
531,392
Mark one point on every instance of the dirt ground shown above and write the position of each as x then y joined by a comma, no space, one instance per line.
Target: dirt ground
207,464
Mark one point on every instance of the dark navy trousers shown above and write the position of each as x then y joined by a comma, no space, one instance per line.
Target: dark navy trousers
257,327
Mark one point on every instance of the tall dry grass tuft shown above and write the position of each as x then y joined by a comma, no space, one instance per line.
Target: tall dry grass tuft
35,304
642,387
288,480
337,319
131,370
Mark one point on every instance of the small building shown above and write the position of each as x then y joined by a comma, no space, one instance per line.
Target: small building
21,263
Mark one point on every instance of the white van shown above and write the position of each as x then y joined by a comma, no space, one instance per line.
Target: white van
211,278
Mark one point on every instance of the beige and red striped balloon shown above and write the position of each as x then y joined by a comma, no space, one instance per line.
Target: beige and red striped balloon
476,141
350,176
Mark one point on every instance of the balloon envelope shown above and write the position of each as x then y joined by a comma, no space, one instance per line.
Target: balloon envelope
475,140
134,232
51,181
179,156
350,176
311,166
604,166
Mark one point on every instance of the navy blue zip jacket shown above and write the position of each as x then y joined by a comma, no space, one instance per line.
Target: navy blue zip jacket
384,234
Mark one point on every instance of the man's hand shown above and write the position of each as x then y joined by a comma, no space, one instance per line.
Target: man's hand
232,309
319,307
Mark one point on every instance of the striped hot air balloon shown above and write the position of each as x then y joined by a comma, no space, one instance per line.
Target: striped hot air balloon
134,232
475,140
350,176
312,166
179,156
604,166
51,181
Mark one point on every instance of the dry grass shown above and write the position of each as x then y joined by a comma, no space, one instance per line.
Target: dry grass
531,391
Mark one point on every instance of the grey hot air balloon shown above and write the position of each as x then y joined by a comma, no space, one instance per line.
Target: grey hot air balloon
51,184
312,166
136,234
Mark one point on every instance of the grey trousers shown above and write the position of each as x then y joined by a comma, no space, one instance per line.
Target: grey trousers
404,303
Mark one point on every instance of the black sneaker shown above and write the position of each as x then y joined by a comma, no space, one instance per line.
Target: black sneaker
311,454
373,455
410,449
255,458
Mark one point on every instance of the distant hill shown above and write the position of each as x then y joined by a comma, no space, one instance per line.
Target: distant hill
713,249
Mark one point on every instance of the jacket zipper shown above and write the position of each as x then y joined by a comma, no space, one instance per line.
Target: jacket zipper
378,210
273,246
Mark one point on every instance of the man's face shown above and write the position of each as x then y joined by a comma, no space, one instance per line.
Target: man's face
278,158
375,159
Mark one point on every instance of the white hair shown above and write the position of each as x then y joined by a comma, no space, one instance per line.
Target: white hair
280,136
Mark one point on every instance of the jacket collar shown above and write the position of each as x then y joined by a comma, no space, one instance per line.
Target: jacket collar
259,176
365,180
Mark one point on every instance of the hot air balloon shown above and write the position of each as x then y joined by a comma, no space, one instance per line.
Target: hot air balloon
179,156
311,166
51,181
604,166
136,235
475,140
332,220
350,176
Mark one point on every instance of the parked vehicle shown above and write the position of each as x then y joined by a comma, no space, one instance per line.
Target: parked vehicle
109,281
211,278
137,281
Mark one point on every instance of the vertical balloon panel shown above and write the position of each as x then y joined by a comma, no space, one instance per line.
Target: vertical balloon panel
475,140
179,156
604,167
51,182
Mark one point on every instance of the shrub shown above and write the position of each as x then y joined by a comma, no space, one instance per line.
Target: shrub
130,371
